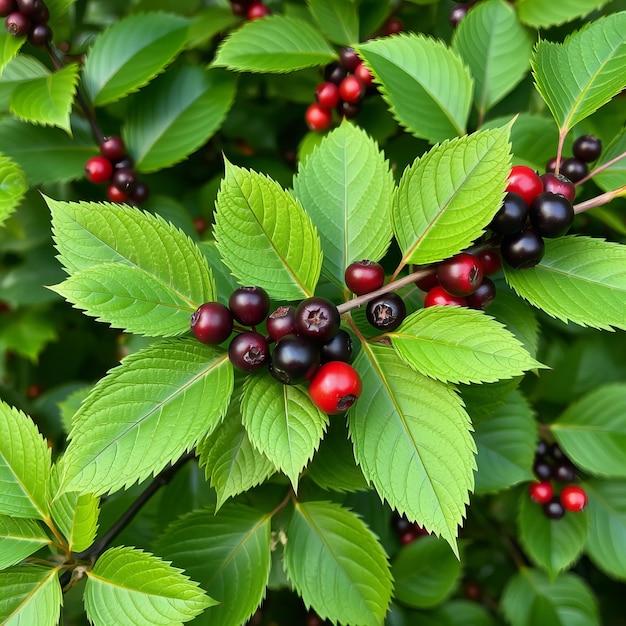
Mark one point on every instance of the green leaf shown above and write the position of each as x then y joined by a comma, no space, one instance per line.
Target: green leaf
552,544
466,612
574,90
28,331
274,44
176,114
145,413
346,187
541,14
613,176
30,594
130,53
91,234
591,431
338,20
228,554
282,423
425,83
9,46
412,440
447,197
337,565
20,69
496,48
455,344
13,186
606,510
25,463
59,7
265,237
47,100
229,458
19,538
579,279
425,573
530,599
127,585
506,445
129,298
209,22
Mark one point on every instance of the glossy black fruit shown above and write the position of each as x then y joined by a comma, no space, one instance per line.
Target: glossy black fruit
386,312
335,73
563,471
542,469
349,58
339,348
554,510
124,180
249,351
249,305
294,360
574,169
522,250
40,35
551,214
483,296
587,148
317,318
511,216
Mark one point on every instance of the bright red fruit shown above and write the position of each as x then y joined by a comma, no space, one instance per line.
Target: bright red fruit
351,89
257,10
116,195
327,95
525,182
335,387
540,492
461,274
212,323
573,498
557,183
438,296
364,276
364,74
318,118
98,169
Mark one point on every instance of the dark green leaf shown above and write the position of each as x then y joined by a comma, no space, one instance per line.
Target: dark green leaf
338,20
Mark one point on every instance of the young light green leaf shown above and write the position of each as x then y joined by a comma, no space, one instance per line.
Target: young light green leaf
401,426
346,187
128,297
551,544
530,598
13,186
176,114
506,445
227,553
274,44
282,422
145,413
574,90
47,100
337,565
425,83
9,46
126,583
21,68
460,345
338,20
425,573
30,594
496,48
606,510
89,234
579,279
130,53
542,14
447,197
591,431
265,237
25,463
19,538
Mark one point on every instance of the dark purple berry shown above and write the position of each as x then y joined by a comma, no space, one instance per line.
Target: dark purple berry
457,14
400,523
240,7
41,15
212,323
551,166
294,359
249,305
124,164
364,276
339,348
317,318
574,169
349,58
587,148
281,322
542,449
522,250
349,110
7,7
334,73
113,148
17,24
511,216
124,180
386,312
40,35
554,510
542,469
141,193
551,214
248,351
29,7
563,471
557,183
556,453
483,296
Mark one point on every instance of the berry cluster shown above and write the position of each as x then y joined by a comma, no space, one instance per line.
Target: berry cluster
115,167
534,207
27,18
552,464
249,9
309,344
407,532
346,83
586,149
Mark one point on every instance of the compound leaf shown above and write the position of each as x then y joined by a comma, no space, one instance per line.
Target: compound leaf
19,538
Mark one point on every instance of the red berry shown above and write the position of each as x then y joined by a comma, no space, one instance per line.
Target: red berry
525,182
258,10
349,58
327,95
541,492
113,148
557,183
335,387
281,322
351,89
490,261
408,537
364,74
438,296
318,118
573,498
7,7
461,274
393,26
428,282
98,169
212,323
200,224
29,7
17,24
114,194
364,276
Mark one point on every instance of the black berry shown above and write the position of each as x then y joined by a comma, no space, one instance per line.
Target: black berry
281,322
29,7
349,58
457,14
554,510
587,148
349,110
386,312
335,73
124,180
249,305
212,323
339,348
551,214
40,35
522,250
294,360
140,193
574,169
564,472
542,470
542,448
317,318
248,351
556,453
511,216
483,296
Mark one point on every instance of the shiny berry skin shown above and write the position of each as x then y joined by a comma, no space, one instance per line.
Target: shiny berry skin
212,323
541,492
461,274
327,95
511,216
40,35
522,250
125,163
41,15
525,182
200,224
364,74
349,110
351,89
457,14
339,348
116,195
98,169
587,148
386,312
335,387
399,523
556,453
428,282
564,472
318,118
573,498
551,166
249,305
124,180
484,295
141,193
557,183
438,296
294,360
542,448
17,24
490,261
393,26
317,318
542,470
335,73
28,7
240,7
554,510
364,276
248,351
113,148
349,58
551,214
257,10
574,169
281,322
7,7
